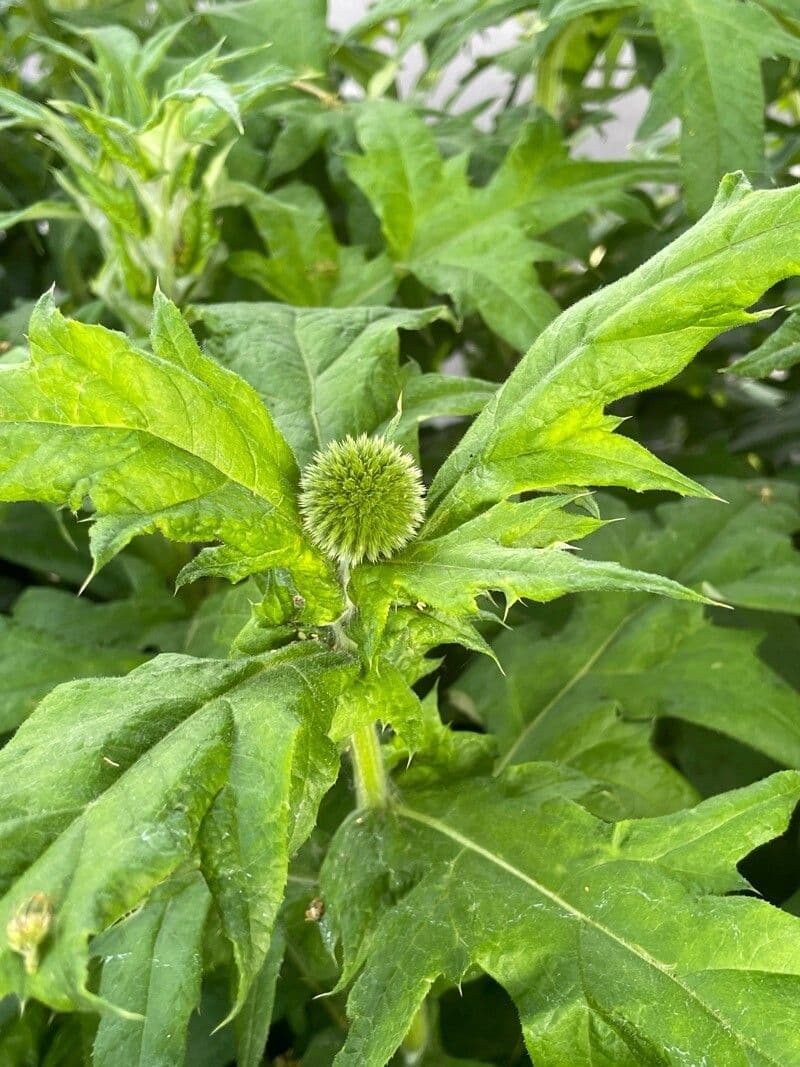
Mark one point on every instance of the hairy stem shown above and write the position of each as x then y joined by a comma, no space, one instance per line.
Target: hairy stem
372,790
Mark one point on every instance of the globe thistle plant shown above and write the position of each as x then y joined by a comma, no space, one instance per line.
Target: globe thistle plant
361,498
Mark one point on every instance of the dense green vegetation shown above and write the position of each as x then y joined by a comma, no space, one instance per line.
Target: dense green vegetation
298,767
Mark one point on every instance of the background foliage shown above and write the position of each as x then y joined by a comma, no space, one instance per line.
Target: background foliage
258,234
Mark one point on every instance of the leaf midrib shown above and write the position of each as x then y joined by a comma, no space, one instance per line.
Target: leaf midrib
579,675
312,386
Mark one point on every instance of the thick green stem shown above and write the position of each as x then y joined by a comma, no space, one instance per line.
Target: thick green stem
372,789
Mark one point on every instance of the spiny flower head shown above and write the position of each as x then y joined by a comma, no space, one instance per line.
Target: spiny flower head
361,498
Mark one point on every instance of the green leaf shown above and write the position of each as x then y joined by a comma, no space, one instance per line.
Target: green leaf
413,631
432,396
588,694
117,50
296,32
42,209
417,24
575,918
721,94
52,637
134,621
780,352
214,99
220,619
182,758
546,426
438,750
269,805
443,28
117,202
322,373
116,138
54,546
208,1045
253,1022
721,99
475,244
21,1033
14,325
304,129
307,266
712,79
30,113
168,441
381,695
515,549
152,963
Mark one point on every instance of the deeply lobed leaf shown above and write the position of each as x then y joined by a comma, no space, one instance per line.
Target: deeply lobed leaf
168,441
184,761
476,244
517,549
588,694
575,917
546,427
325,373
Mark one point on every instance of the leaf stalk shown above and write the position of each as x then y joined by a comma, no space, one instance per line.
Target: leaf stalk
372,787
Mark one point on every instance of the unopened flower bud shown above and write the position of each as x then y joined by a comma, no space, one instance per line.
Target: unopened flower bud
28,927
361,498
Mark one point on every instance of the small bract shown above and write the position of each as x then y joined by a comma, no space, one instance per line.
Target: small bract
361,498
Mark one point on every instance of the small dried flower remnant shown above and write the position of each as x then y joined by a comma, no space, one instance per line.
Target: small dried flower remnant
315,910
361,498
28,927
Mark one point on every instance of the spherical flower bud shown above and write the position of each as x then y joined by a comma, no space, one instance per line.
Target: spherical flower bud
361,498
28,927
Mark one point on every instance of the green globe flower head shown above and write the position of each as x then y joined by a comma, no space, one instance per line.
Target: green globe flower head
361,498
